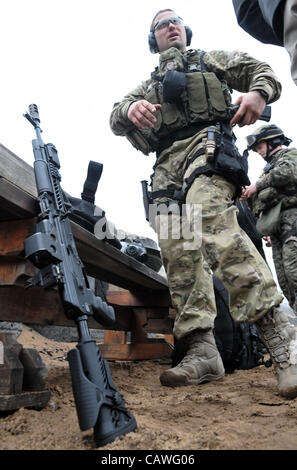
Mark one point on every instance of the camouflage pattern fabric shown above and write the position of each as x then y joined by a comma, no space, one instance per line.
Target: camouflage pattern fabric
285,256
241,72
226,250
281,173
279,183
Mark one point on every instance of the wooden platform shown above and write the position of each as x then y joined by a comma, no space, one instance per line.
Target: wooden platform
138,294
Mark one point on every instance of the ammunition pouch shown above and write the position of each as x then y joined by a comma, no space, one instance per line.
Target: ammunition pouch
174,84
189,96
145,140
230,166
268,223
205,96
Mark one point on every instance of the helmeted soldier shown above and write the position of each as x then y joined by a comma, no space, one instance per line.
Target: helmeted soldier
274,201
182,112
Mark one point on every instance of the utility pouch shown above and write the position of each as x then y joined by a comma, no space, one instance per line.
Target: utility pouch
174,84
268,223
216,95
145,140
206,100
230,164
197,99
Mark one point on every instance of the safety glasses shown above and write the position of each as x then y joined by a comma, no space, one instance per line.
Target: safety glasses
163,24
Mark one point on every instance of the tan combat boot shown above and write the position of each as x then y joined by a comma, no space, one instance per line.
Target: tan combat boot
279,337
202,362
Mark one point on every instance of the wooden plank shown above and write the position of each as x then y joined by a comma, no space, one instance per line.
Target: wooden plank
139,299
43,307
114,337
13,234
101,260
35,370
17,171
15,203
15,271
136,351
24,400
11,370
107,263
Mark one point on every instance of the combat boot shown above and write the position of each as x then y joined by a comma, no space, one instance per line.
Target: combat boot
279,337
202,362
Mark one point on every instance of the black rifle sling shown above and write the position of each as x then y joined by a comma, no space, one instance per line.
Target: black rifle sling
91,183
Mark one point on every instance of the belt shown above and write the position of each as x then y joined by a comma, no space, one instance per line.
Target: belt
182,134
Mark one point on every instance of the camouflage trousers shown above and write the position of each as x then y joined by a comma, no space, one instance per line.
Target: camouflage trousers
225,250
284,252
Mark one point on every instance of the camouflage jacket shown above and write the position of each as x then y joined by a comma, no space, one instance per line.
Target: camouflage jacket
239,70
278,182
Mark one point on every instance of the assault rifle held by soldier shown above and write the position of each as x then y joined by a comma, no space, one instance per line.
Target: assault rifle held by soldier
53,251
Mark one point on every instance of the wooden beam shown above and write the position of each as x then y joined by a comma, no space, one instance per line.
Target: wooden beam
136,351
139,299
16,170
15,203
36,400
109,264
38,306
43,307
13,234
15,271
101,260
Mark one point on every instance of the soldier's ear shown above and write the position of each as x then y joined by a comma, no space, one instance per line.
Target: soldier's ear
152,43
189,35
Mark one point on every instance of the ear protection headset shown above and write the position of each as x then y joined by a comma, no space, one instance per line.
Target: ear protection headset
153,43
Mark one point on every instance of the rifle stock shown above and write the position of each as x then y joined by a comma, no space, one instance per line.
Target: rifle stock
53,252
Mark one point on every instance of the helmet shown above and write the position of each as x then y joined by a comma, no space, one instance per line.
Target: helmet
268,132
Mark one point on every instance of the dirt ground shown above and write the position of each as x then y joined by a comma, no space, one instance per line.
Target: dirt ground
243,411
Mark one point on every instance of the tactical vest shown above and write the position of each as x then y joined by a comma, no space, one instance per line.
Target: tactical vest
204,100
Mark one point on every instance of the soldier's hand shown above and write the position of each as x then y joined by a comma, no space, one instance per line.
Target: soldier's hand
267,240
141,113
251,106
248,191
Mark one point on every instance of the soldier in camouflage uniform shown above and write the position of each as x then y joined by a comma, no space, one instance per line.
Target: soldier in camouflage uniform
278,184
183,113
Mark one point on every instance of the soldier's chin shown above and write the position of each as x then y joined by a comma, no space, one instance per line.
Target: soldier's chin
176,43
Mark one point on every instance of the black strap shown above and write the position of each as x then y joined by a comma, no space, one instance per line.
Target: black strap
197,154
203,65
175,194
91,183
182,134
201,170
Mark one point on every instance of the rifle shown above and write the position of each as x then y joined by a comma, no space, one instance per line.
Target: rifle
52,250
